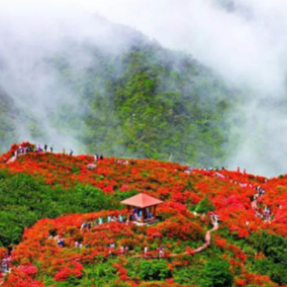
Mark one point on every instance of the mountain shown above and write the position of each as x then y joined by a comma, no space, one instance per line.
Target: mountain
246,247
118,93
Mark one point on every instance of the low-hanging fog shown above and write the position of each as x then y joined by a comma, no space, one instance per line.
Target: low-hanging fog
244,41
32,39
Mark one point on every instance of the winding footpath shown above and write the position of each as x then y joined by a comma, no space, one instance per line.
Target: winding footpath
207,239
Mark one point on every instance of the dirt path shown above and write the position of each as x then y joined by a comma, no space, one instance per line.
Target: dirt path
197,250
11,159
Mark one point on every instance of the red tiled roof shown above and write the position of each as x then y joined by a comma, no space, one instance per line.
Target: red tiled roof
141,200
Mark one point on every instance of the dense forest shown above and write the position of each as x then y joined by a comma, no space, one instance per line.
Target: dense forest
144,101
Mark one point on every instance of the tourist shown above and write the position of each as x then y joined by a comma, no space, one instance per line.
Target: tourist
215,217
266,212
161,252
136,217
261,192
84,225
4,265
39,149
111,247
61,242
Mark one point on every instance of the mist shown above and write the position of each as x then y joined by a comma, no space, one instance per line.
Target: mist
31,40
244,41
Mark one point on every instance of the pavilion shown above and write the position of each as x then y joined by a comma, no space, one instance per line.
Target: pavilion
142,207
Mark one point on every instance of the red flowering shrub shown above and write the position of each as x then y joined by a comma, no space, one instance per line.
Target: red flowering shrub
181,228
74,269
178,235
19,278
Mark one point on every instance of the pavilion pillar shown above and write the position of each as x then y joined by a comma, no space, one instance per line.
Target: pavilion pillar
142,218
129,208
154,212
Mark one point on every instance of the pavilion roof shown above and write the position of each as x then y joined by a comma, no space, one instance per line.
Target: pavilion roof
141,200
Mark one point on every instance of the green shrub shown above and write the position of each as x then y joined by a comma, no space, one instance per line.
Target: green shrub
154,270
216,273
204,206
24,200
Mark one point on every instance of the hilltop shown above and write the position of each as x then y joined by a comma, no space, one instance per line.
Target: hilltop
57,199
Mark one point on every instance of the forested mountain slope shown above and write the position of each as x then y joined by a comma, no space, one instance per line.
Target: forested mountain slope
153,103
130,97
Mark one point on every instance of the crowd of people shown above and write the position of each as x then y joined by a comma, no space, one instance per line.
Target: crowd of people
214,218
100,221
24,149
259,192
98,157
32,148
266,213
192,168
111,248
138,214
6,263
88,225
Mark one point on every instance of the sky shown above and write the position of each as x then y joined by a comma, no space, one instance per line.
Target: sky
246,44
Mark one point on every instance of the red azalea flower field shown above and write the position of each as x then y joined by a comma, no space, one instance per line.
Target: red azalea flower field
186,246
